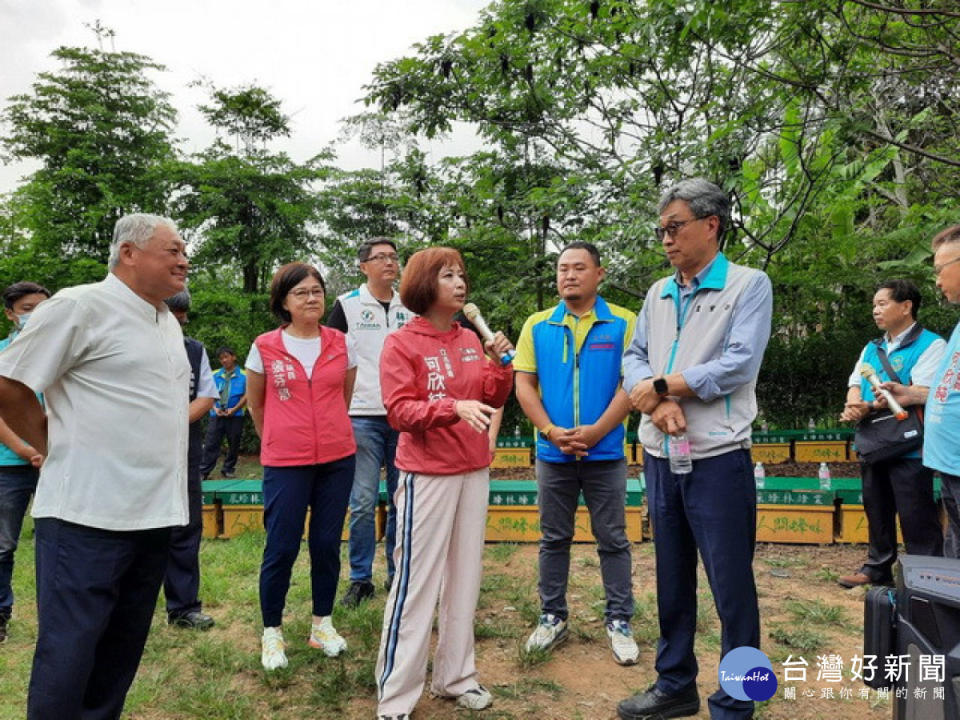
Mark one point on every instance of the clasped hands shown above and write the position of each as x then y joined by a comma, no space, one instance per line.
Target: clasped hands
665,413
574,441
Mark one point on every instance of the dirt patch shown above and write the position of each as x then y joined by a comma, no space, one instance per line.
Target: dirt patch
581,680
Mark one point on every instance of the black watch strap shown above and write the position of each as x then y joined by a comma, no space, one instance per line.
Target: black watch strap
660,386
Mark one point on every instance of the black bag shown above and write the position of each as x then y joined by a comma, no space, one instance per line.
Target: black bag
880,436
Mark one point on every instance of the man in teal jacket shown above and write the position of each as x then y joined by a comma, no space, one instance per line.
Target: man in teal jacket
19,462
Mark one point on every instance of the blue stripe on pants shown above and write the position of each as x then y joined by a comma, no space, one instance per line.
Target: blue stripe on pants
403,582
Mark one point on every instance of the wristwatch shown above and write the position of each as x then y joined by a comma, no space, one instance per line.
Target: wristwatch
544,432
660,386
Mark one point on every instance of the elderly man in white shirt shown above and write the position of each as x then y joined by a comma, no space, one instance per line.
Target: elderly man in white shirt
109,358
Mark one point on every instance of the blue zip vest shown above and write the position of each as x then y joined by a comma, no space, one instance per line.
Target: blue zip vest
576,388
902,360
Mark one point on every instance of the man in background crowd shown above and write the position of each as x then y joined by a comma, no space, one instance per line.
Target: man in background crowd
19,461
368,314
226,416
181,585
900,485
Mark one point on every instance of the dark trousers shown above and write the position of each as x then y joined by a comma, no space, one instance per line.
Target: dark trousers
604,486
950,492
181,584
713,510
287,493
96,591
217,427
17,485
900,486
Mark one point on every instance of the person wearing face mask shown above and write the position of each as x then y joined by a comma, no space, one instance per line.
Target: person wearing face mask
19,461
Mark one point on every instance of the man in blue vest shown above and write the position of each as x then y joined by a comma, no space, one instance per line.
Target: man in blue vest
900,485
226,416
568,375
692,369
19,461
941,451
181,584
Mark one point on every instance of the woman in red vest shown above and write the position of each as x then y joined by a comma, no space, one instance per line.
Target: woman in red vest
440,388
299,382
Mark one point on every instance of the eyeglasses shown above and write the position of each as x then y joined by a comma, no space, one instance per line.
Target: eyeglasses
304,293
671,228
938,270
384,257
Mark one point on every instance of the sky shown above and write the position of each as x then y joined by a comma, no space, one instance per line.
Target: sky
313,56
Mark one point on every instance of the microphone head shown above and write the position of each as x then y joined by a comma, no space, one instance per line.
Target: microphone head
471,311
866,370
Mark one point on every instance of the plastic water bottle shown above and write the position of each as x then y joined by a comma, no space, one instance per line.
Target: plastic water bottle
811,425
516,435
679,450
759,476
824,474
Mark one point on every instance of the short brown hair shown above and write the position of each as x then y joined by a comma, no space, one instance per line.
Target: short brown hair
284,280
418,288
950,235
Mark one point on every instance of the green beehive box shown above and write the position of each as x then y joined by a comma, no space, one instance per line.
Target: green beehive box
242,492
513,441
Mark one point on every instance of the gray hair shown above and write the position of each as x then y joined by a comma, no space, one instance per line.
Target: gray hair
179,302
949,236
137,228
703,197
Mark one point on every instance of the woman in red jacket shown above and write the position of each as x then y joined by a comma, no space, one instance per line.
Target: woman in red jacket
299,382
440,391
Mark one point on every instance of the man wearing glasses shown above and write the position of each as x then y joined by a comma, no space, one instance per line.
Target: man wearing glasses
692,368
368,314
941,451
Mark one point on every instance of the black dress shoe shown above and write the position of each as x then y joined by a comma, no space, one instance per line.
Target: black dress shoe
195,620
654,704
358,592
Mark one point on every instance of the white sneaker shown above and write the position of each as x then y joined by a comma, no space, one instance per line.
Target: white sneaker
475,699
625,650
325,637
550,632
272,655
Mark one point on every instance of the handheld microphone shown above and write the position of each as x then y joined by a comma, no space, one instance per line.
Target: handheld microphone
473,315
867,371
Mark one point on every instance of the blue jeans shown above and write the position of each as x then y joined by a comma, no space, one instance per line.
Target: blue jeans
17,484
287,492
376,447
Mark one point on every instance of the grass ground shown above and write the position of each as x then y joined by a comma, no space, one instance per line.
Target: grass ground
217,675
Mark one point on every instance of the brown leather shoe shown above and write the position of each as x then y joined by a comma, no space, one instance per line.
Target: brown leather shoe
855,580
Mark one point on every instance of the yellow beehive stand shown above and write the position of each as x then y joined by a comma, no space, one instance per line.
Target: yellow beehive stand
770,453
795,524
820,451
510,457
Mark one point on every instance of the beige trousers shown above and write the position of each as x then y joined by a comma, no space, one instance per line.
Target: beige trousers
441,521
